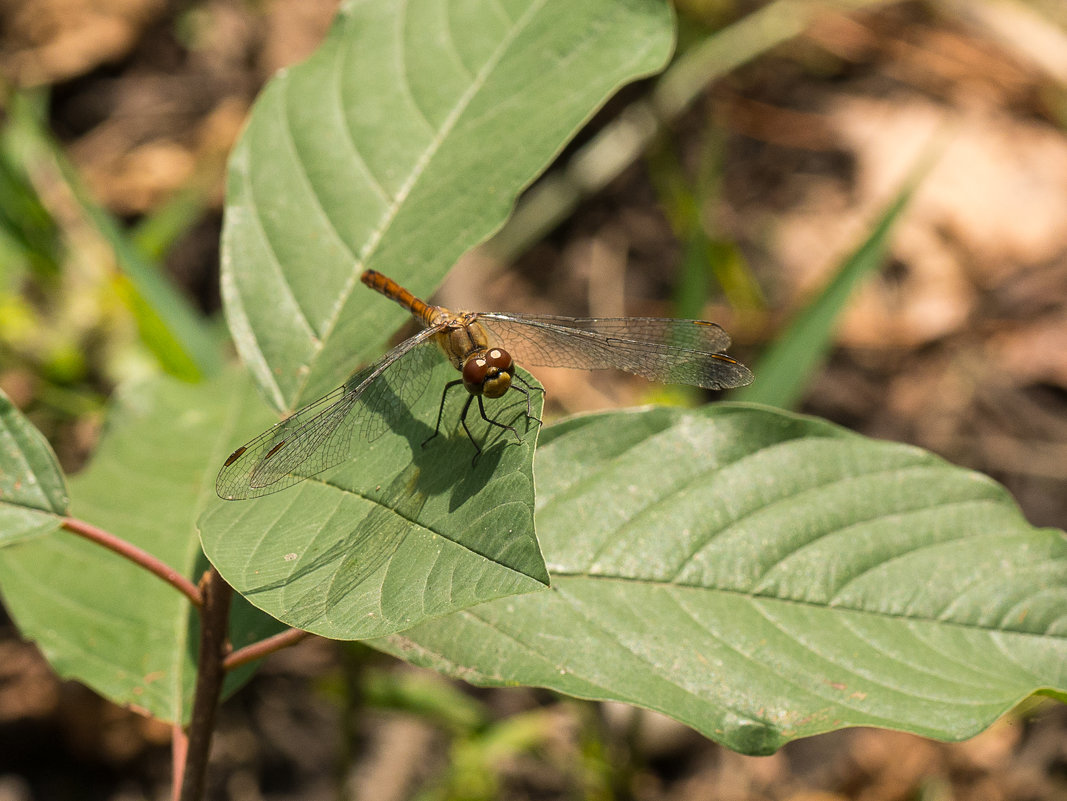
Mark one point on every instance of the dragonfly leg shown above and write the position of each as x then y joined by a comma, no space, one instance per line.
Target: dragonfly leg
529,388
463,421
490,421
481,411
441,409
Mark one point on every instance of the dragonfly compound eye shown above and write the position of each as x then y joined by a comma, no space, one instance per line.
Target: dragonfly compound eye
474,373
498,376
499,358
488,373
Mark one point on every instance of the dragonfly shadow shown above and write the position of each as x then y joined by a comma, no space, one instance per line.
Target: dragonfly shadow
341,568
349,571
451,464
449,460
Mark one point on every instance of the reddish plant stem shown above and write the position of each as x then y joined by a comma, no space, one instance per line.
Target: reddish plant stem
135,555
214,648
258,650
179,747
212,599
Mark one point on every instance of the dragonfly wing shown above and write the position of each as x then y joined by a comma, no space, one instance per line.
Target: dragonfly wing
660,349
312,438
387,399
320,435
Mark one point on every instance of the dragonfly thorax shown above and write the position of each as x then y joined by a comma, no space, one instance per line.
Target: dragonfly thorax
488,372
460,337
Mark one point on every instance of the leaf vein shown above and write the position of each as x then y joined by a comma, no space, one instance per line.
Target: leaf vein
391,213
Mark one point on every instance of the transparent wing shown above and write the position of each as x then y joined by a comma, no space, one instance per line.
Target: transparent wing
321,435
660,349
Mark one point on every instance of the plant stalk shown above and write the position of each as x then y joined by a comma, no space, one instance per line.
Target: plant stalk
258,650
210,672
136,555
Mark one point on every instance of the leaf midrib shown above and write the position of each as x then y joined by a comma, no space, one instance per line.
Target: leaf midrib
830,607
392,211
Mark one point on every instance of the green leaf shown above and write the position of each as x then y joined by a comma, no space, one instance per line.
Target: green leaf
762,576
396,535
33,494
97,617
787,367
401,143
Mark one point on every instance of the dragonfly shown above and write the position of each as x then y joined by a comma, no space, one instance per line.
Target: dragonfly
484,347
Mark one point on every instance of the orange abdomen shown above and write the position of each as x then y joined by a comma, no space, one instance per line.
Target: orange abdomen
391,289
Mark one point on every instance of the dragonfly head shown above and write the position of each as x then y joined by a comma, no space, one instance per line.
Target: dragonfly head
488,372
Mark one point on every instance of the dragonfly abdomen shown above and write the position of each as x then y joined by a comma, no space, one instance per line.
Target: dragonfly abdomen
391,289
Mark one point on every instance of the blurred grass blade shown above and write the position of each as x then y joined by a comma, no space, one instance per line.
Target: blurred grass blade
622,141
709,256
784,371
170,327
28,231
739,43
427,695
157,232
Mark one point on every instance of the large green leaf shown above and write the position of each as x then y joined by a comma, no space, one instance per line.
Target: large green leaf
402,142
33,494
399,533
97,617
763,576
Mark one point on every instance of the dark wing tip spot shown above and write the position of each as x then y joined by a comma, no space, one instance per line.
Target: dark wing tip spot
233,457
274,450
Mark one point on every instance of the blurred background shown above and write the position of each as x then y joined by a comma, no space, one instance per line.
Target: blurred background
801,126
